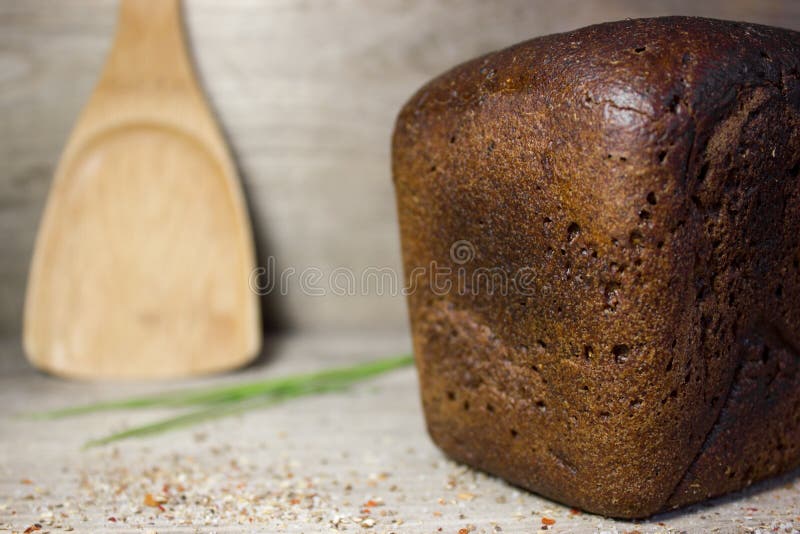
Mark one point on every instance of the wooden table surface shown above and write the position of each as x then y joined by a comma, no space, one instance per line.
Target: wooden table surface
353,461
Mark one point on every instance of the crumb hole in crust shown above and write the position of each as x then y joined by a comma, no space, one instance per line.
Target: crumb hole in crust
702,174
573,231
640,49
673,104
651,198
620,353
514,433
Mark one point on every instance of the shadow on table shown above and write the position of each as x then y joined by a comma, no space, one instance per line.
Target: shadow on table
707,506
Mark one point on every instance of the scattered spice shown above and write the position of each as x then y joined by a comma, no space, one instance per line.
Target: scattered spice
267,484
153,502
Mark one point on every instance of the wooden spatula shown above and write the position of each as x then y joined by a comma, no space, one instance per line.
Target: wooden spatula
144,251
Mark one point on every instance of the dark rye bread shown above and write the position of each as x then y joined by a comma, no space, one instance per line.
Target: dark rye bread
644,174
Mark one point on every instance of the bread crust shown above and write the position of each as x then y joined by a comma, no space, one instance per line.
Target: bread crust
645,174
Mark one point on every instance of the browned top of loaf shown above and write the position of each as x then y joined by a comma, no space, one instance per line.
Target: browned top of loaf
627,86
641,66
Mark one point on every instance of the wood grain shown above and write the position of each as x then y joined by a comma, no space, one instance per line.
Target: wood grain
307,92
144,252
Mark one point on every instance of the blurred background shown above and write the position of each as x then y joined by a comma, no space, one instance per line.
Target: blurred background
306,91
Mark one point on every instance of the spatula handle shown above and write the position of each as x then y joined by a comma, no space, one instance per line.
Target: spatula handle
149,47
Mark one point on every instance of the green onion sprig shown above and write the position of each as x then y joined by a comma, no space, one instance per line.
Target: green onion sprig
214,402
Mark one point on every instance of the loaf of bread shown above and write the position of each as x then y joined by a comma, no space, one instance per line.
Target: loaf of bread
601,235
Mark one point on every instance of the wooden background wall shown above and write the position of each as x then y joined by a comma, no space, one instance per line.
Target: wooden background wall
307,91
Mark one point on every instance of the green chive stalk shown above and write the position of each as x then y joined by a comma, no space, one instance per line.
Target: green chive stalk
215,402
